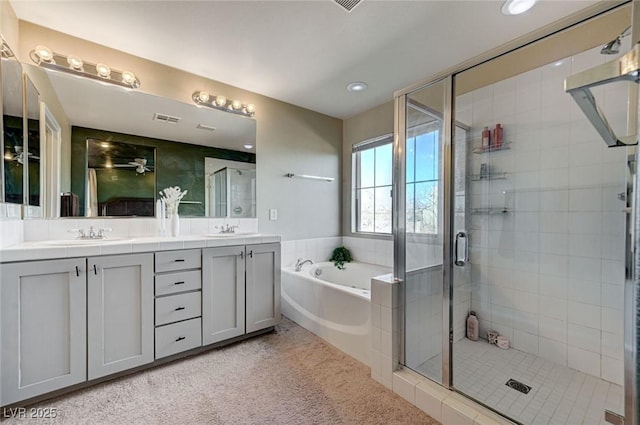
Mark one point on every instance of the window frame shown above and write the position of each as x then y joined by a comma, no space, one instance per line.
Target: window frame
386,139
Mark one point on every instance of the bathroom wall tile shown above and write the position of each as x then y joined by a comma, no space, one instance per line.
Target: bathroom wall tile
613,224
554,243
583,268
584,291
585,338
35,230
200,226
554,200
553,264
612,320
613,271
613,345
405,385
524,341
585,200
59,229
554,222
429,399
583,360
554,308
553,329
613,370
612,296
456,413
613,248
554,286
584,314
553,350
120,228
585,223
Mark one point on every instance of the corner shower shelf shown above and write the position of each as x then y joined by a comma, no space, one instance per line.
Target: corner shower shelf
492,176
489,211
480,149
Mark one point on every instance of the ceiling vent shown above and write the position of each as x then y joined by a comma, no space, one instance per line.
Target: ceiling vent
167,119
348,5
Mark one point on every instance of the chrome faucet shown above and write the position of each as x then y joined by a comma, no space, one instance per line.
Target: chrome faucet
228,229
91,233
300,263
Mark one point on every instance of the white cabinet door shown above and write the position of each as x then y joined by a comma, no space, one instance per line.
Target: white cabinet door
263,286
120,320
43,326
222,293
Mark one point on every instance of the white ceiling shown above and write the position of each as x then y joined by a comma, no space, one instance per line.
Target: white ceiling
303,52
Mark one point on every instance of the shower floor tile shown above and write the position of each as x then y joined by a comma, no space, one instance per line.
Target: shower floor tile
558,396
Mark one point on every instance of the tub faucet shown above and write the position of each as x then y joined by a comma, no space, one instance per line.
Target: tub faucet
300,263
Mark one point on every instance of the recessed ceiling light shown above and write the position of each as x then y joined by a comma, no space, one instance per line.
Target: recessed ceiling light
516,7
248,146
357,86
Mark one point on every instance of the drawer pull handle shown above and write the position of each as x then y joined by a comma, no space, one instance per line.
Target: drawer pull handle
180,308
77,271
95,270
179,283
180,260
180,338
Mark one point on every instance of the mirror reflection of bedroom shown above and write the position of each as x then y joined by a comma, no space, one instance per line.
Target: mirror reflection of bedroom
120,179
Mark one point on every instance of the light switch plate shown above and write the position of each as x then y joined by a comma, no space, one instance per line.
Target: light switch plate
273,214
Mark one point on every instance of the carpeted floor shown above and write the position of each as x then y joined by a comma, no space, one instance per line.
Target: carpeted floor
287,377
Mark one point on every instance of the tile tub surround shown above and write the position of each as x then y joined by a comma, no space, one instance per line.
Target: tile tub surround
549,274
315,249
443,405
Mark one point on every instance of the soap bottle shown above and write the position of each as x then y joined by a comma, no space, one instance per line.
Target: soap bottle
486,139
497,136
472,326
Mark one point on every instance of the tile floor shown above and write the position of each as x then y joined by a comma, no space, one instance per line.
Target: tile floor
558,396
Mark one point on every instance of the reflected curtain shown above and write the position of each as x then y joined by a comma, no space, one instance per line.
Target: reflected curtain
92,194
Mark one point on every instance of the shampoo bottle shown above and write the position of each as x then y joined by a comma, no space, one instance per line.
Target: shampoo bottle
486,139
472,326
497,136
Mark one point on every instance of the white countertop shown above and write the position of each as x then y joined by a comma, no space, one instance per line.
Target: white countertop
42,250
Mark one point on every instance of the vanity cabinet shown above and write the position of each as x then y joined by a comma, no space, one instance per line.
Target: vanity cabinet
223,293
240,290
262,286
178,301
43,324
120,313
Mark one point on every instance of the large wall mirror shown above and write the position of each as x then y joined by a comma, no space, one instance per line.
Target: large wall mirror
32,151
116,133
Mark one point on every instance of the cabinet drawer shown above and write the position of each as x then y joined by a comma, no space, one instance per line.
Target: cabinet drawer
168,261
181,336
177,307
178,282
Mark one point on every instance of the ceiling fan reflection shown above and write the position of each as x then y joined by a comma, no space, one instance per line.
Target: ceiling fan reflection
140,165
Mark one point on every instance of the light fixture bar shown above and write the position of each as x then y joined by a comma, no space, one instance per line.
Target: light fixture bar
71,64
221,103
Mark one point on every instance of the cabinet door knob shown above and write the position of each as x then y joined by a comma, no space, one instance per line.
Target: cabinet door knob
180,338
251,254
241,255
180,308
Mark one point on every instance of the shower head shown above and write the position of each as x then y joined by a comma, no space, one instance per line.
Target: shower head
613,47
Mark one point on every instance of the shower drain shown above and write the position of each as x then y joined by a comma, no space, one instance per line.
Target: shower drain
518,386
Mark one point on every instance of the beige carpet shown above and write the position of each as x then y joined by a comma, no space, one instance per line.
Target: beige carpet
287,377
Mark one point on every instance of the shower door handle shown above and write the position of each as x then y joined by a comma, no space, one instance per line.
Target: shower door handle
461,248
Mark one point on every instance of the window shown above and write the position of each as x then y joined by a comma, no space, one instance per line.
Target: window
422,180
372,177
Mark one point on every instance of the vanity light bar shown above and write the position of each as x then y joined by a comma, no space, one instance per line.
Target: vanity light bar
46,58
203,98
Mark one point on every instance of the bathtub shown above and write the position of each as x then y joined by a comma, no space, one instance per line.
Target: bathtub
333,304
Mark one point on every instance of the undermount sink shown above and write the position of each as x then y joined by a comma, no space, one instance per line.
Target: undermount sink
231,235
82,242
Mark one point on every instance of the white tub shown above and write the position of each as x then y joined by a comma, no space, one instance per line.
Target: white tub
333,304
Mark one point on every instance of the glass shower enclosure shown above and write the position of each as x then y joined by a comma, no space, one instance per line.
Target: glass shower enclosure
509,207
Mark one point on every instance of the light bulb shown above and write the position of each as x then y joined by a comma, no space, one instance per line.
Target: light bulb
221,100
103,70
75,62
516,7
203,96
128,77
251,108
236,104
44,53
248,146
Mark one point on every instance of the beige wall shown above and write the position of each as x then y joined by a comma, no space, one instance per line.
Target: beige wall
367,125
9,24
289,138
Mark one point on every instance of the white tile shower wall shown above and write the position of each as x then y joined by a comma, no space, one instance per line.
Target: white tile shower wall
549,273
36,230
